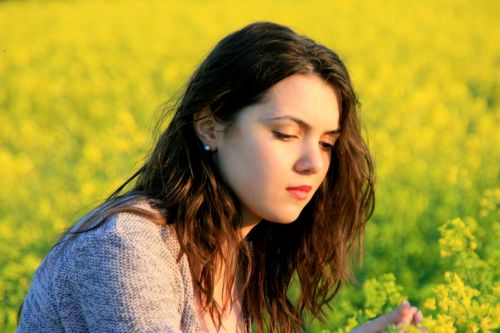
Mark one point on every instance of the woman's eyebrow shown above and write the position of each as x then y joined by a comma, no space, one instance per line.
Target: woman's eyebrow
303,124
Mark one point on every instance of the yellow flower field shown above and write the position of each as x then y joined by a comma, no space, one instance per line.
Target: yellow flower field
81,84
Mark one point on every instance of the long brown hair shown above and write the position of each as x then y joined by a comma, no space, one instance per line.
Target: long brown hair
181,179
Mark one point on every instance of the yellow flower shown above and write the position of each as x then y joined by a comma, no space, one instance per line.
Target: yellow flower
445,323
430,304
486,324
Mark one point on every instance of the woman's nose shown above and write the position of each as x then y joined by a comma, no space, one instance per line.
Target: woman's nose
311,159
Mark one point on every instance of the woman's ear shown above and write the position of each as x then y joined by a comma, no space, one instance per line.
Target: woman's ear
207,128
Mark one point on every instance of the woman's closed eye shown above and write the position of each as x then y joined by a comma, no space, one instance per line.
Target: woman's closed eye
327,145
284,136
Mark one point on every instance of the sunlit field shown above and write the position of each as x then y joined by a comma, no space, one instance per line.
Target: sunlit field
81,85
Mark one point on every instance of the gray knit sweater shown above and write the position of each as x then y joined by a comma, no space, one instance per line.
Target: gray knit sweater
120,277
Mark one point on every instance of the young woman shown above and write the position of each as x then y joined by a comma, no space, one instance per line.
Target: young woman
260,179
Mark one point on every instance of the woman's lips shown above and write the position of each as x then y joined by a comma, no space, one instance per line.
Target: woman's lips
299,192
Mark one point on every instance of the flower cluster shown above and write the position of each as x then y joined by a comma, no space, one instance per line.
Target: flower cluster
468,300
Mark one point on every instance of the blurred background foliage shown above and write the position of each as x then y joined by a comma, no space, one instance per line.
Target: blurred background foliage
81,83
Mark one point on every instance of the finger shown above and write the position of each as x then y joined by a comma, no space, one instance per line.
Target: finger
406,315
417,317
394,316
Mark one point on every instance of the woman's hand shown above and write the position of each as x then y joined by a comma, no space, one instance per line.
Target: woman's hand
405,314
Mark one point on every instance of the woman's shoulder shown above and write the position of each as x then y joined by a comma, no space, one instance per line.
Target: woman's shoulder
127,244
137,221
136,229
140,221
126,265
133,234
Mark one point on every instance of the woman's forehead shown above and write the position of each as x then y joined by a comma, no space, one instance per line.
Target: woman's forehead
306,98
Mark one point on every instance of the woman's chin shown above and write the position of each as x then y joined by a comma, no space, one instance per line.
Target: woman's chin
284,219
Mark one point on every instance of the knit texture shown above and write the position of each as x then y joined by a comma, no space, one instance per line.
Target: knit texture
120,277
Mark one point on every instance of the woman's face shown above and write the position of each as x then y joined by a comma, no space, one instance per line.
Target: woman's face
276,153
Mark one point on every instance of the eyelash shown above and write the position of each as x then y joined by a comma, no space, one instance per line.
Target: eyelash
287,137
282,136
327,146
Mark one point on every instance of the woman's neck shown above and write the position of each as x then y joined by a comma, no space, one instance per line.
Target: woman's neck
248,222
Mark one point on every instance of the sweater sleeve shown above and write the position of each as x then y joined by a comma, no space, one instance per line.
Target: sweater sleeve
122,284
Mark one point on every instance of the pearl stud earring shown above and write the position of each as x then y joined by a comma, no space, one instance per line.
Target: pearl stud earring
207,147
